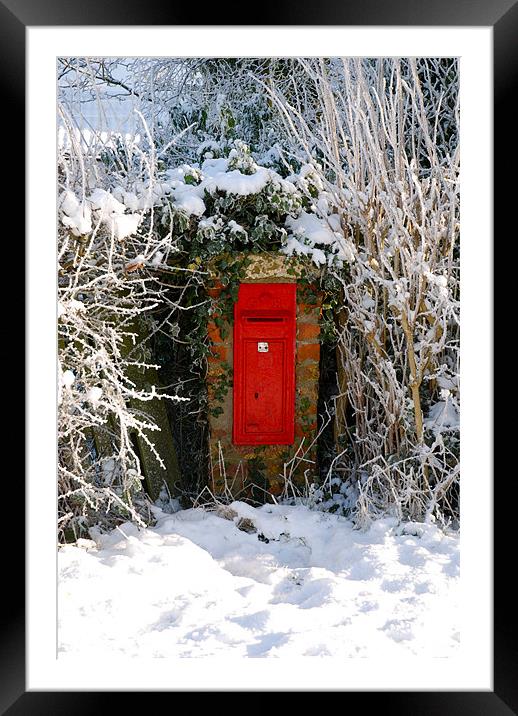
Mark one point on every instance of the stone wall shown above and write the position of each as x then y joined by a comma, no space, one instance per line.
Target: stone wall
247,471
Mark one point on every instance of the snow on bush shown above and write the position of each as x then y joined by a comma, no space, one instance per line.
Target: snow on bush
196,191
103,245
388,160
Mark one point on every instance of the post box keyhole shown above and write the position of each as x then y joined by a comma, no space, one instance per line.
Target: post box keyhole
256,395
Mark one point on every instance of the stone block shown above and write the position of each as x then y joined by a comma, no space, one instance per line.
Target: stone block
218,354
307,351
214,333
308,332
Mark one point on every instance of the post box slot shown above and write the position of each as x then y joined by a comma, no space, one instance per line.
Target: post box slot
264,320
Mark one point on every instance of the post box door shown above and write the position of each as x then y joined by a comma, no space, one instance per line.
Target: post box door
264,364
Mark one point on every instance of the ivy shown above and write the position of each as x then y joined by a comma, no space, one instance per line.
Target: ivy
220,388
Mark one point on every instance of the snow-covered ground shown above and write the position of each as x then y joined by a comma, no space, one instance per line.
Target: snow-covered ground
304,584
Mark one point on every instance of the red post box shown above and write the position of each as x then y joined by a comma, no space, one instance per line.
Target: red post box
264,364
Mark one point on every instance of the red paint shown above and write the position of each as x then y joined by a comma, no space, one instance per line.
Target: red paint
264,382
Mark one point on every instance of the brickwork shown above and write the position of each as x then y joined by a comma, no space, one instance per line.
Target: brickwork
237,467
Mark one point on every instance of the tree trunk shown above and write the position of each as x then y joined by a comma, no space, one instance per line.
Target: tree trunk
162,440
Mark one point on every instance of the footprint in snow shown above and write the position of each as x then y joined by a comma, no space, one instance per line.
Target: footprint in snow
307,595
423,587
317,650
393,585
267,643
362,570
369,605
411,555
253,622
399,629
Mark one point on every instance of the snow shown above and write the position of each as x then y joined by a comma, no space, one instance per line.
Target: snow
106,203
235,228
307,230
190,201
68,378
111,212
185,186
128,198
205,147
76,216
70,307
213,167
294,246
124,225
108,209
211,222
234,182
217,176
304,584
69,203
311,227
94,395
443,414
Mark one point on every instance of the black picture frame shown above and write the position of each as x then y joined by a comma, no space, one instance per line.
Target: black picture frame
502,16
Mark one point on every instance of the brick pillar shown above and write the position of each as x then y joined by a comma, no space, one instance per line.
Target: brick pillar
238,467
307,368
